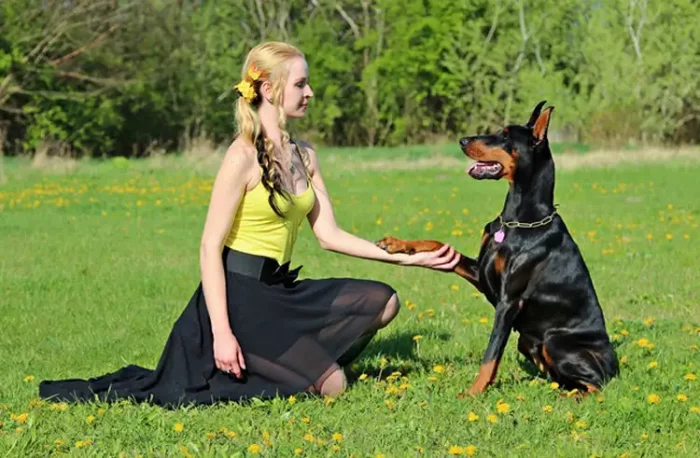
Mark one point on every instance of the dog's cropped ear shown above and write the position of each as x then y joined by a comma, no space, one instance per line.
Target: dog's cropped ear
539,130
535,114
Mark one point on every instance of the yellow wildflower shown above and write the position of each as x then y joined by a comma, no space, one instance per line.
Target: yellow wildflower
547,408
438,369
689,376
472,416
179,427
682,397
653,398
492,418
254,449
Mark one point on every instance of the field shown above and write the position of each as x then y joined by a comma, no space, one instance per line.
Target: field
99,258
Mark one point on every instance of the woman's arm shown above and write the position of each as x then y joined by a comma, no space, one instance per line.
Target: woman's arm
332,238
229,186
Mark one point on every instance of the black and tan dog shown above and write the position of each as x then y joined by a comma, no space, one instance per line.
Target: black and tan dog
529,267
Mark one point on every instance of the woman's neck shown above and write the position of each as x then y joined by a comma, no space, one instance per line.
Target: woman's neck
269,120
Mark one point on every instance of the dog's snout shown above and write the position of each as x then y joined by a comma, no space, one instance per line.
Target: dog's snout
464,141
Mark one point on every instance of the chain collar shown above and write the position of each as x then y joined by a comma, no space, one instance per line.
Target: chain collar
542,222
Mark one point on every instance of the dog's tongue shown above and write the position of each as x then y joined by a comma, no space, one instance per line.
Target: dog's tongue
481,170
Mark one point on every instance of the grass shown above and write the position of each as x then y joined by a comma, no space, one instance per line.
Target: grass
98,262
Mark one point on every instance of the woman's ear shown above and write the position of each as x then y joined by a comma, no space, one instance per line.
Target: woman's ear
266,91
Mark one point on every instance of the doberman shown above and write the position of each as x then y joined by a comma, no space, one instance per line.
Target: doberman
529,267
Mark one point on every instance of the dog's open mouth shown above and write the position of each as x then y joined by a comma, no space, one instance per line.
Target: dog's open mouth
482,170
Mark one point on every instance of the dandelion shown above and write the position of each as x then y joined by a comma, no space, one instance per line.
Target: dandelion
689,376
502,407
547,408
211,436
438,369
85,443
254,449
338,437
362,377
28,378
306,420
455,450
682,397
653,399
470,450
653,364
695,409
21,418
291,399
335,448
645,436
417,337
308,437
649,321
90,419
179,427
472,416
554,386
581,424
483,320
298,451
492,418
454,287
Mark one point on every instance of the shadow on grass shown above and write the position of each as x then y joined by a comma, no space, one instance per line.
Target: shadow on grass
400,351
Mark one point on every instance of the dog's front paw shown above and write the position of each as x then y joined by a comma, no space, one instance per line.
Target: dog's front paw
392,245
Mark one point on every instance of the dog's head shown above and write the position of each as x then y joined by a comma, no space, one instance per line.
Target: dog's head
515,150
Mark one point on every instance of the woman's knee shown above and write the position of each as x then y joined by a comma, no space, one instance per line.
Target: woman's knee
391,309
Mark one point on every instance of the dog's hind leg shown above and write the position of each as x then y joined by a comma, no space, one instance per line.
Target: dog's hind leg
580,360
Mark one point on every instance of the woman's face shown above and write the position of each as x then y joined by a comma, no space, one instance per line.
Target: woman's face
297,91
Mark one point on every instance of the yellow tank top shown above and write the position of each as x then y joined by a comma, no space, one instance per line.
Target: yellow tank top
258,230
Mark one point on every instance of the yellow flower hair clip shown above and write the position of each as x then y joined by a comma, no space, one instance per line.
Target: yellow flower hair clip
245,88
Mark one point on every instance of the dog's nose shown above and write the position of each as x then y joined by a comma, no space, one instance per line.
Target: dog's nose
464,141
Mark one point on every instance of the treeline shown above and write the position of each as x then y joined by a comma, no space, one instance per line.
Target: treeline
124,76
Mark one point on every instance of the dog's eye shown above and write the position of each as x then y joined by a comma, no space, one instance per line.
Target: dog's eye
505,132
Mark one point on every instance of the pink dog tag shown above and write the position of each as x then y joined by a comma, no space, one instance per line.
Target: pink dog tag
499,236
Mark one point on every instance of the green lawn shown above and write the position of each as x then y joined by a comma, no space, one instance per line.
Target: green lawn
96,265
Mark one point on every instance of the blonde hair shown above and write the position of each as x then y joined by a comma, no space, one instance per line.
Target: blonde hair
271,60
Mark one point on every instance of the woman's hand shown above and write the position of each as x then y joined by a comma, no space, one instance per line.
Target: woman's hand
228,355
444,259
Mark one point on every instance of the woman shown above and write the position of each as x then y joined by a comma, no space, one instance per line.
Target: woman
251,329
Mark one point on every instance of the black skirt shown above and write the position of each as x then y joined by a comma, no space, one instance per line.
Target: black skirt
291,333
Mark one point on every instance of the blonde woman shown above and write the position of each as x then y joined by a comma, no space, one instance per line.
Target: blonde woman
251,328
